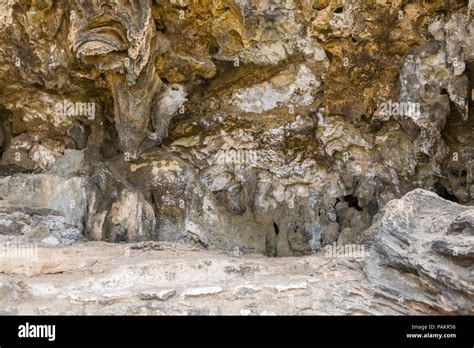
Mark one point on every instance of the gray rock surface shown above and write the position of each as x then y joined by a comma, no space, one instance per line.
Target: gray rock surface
175,279
423,254
416,259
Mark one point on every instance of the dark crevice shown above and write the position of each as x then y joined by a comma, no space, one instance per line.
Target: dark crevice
213,50
353,202
329,55
276,228
443,193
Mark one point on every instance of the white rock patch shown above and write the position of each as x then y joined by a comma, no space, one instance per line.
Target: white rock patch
193,292
268,95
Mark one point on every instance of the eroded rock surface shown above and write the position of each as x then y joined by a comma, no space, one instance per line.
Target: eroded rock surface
416,259
272,127
424,242
174,279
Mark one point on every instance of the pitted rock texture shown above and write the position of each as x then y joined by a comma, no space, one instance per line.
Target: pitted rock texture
273,127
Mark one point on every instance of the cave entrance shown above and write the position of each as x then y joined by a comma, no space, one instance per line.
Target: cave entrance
353,202
443,193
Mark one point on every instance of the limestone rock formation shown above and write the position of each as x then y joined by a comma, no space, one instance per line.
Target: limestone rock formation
276,127
417,259
297,119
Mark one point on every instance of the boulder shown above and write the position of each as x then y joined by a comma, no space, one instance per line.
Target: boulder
423,254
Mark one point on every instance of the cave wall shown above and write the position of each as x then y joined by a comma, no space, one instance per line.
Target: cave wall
255,126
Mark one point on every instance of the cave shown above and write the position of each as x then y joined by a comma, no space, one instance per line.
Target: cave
236,157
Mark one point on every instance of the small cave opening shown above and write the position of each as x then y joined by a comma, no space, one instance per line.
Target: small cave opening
276,228
443,193
353,202
160,27
213,50
339,9
329,55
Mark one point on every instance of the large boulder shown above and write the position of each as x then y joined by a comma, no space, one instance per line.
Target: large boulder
423,255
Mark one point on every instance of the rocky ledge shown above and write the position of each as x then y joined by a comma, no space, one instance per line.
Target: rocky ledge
405,267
